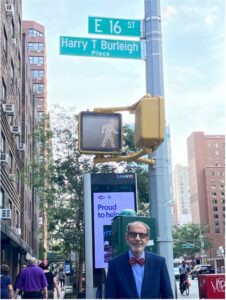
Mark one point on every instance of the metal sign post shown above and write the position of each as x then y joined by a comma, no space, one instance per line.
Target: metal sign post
160,194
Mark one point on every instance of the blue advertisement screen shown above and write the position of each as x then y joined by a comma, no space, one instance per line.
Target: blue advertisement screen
111,194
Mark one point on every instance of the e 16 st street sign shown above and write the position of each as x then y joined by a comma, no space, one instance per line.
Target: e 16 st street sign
100,47
100,25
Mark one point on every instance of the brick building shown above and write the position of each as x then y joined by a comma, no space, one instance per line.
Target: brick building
15,125
206,164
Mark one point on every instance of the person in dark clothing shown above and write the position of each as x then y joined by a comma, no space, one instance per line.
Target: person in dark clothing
6,283
51,279
61,277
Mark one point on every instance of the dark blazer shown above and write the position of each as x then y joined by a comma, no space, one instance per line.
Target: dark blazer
120,281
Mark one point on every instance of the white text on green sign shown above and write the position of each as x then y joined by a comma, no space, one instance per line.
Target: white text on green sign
99,25
100,47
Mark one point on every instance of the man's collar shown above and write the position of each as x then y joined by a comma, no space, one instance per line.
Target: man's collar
132,255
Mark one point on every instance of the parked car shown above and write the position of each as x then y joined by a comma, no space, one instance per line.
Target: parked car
201,269
176,273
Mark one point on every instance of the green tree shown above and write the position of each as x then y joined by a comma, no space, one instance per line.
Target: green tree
189,234
66,212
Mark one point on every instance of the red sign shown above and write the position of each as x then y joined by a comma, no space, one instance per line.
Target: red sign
211,286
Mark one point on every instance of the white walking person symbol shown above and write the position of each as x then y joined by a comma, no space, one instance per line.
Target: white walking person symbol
108,131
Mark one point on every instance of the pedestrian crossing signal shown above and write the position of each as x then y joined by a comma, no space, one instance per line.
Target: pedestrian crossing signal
100,132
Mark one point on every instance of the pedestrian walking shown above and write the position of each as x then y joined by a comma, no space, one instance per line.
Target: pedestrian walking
51,279
61,277
6,283
32,281
138,273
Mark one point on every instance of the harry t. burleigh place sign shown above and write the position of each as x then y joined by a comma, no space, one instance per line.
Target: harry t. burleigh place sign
100,47
108,48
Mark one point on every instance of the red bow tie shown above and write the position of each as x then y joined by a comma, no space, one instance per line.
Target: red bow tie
134,260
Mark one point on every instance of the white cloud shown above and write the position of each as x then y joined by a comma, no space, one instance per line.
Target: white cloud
210,19
168,13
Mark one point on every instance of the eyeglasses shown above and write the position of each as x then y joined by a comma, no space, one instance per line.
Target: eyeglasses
134,235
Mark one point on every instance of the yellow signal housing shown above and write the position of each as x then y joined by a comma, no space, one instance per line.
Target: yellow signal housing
149,122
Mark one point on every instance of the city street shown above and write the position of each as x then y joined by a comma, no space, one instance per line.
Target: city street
193,290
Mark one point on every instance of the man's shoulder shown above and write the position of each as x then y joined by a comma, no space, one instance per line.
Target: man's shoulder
119,258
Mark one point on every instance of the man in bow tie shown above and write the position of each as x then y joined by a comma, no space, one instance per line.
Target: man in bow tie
138,273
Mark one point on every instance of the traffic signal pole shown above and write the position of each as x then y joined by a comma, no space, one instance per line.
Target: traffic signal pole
159,183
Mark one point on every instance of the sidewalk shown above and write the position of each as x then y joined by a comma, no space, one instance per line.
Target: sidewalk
65,293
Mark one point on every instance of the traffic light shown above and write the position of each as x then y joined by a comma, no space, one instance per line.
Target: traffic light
100,132
149,122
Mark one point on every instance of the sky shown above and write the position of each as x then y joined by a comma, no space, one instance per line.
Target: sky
193,62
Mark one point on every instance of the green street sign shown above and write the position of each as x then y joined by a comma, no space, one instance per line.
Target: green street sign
112,26
187,246
100,47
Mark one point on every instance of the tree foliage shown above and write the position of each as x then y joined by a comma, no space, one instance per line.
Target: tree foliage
190,234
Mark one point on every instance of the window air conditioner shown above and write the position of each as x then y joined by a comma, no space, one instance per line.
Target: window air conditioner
12,177
21,147
6,214
9,9
9,109
18,231
15,130
14,41
4,157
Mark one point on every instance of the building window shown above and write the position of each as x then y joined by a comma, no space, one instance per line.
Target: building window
217,230
2,198
214,201
17,220
38,87
5,45
41,116
12,71
215,208
34,33
36,46
213,187
213,193
36,60
37,73
216,223
10,163
19,63
12,28
222,193
222,201
2,143
19,26
4,91
212,173
215,216
17,181
10,207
